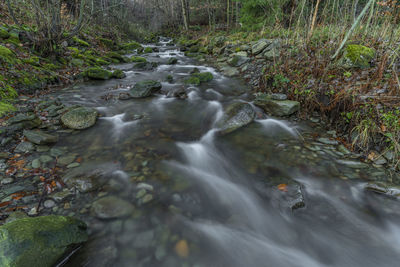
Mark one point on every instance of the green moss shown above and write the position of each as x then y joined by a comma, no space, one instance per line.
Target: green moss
5,108
138,59
98,74
6,55
194,49
50,66
193,80
80,42
204,76
115,56
34,61
118,74
4,33
107,42
148,50
359,55
39,241
101,61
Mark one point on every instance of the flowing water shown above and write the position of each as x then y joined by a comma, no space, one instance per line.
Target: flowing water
256,197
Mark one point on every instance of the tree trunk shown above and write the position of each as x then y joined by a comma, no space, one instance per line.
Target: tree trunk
184,15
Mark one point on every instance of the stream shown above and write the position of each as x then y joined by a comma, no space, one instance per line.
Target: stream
267,194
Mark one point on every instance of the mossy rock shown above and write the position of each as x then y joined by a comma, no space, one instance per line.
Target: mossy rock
39,241
145,89
204,76
97,73
118,74
107,42
115,56
34,61
7,56
359,56
193,80
172,61
148,50
4,33
5,108
138,59
80,118
50,66
80,42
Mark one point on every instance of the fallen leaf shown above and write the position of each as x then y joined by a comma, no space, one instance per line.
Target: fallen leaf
283,187
182,248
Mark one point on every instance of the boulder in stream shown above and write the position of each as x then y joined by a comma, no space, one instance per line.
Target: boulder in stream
97,73
112,207
236,116
145,89
277,107
40,137
80,118
39,241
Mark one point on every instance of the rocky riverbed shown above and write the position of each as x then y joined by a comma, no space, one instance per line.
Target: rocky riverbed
176,164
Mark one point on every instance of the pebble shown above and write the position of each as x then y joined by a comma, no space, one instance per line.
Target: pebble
327,141
7,180
147,198
45,159
48,204
73,165
145,187
36,163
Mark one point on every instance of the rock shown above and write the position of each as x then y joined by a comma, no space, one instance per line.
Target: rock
145,66
83,183
45,159
23,121
7,180
143,239
4,33
219,41
145,89
259,46
36,163
236,116
66,160
278,96
48,204
97,73
112,207
79,118
16,215
358,56
118,74
39,241
182,249
383,188
238,61
277,107
353,164
172,61
73,165
24,147
230,71
327,141
39,137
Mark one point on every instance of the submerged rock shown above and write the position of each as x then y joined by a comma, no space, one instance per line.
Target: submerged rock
39,241
40,138
145,89
236,116
277,107
172,61
112,207
79,118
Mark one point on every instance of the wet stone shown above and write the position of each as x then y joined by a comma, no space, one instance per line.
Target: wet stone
112,207
7,180
25,147
66,160
48,204
73,165
39,137
327,141
353,164
45,159
143,239
36,163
